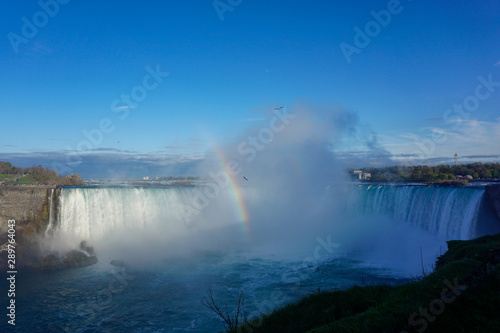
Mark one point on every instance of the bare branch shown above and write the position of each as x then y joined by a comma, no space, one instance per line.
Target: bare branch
231,322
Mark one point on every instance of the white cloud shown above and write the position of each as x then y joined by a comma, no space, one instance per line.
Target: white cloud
253,119
472,138
111,163
124,107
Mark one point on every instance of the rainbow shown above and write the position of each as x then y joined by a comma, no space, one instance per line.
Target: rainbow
239,203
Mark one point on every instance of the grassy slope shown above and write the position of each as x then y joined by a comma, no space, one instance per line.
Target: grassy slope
21,180
469,264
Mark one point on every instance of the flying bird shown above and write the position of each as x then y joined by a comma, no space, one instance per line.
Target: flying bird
281,107
245,178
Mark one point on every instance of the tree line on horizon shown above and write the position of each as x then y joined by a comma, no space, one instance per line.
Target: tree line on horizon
432,173
41,175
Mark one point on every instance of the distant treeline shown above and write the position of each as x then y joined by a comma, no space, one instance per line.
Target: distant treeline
40,174
178,178
432,173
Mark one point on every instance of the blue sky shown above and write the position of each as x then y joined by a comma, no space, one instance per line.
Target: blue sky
229,63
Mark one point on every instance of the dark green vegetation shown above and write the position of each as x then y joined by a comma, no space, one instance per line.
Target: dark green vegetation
178,178
433,173
448,182
461,295
36,175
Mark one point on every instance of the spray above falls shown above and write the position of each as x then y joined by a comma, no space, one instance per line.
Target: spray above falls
274,190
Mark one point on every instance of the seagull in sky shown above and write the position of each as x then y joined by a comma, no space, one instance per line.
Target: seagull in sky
245,178
281,107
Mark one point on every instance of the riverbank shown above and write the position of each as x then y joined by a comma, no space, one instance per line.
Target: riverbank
462,294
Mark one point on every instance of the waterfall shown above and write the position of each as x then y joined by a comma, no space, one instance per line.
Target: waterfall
156,216
93,213
143,225
51,213
448,212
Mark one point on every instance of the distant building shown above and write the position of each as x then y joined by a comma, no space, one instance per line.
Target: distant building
358,174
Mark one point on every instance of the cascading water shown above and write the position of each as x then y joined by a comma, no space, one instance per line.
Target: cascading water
142,225
448,212
93,213
96,214
51,213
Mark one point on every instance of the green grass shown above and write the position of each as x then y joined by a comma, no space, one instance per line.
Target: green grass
27,180
322,308
397,308
21,180
2,176
473,249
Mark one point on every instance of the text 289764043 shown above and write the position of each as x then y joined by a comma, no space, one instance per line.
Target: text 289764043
11,271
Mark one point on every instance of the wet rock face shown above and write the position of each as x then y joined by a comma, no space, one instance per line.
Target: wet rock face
76,258
27,206
57,262
30,207
493,194
31,256
86,248
117,263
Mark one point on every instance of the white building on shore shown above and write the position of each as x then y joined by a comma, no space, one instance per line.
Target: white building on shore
360,175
